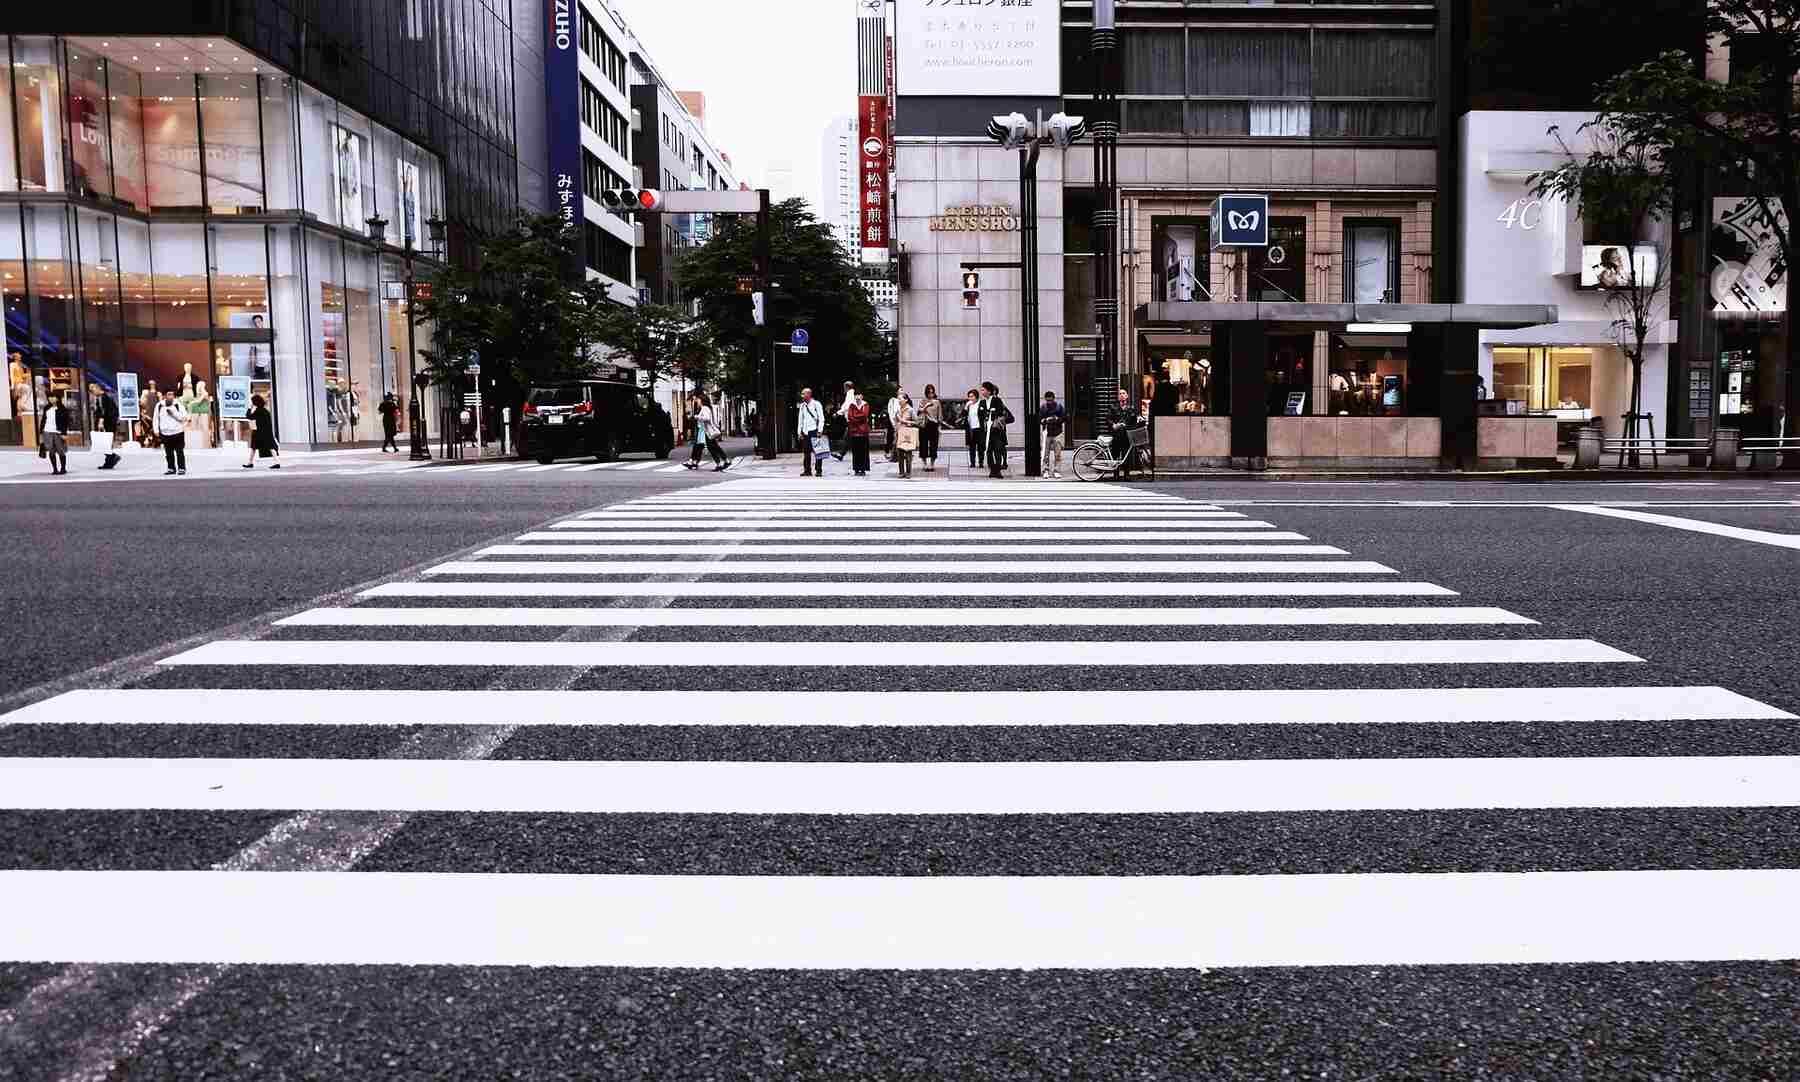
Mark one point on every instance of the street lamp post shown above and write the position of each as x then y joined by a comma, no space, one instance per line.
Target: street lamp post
1015,132
1105,45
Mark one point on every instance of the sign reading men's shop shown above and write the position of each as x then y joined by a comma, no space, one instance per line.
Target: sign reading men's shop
978,219
562,87
1240,221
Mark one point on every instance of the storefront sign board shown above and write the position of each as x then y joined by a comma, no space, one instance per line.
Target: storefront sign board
234,397
978,48
128,396
1240,221
872,158
562,88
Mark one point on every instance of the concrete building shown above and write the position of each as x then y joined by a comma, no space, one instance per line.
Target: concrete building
838,180
672,151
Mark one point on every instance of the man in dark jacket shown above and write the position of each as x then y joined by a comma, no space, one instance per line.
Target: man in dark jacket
1125,418
994,418
107,412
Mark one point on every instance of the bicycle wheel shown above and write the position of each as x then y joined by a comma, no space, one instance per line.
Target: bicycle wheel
1091,462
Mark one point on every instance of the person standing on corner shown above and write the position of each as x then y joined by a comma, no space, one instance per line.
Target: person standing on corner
1051,416
843,411
53,434
108,413
171,428
931,418
809,425
906,435
994,419
972,433
893,418
262,439
1125,418
858,433
390,422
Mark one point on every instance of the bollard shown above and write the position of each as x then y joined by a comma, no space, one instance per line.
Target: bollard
1725,448
1587,448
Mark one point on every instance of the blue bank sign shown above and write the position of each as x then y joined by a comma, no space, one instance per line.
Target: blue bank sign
562,90
1240,221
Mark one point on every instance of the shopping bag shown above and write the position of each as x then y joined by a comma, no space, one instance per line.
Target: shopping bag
821,446
103,441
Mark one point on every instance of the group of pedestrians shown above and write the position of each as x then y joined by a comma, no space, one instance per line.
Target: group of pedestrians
169,420
918,429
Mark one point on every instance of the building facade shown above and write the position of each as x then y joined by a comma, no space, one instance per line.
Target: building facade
671,151
838,181
609,238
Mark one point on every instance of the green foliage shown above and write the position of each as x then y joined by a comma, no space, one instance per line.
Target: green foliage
462,325
660,338
817,289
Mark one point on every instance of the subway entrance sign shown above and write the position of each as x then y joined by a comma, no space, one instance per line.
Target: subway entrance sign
1240,221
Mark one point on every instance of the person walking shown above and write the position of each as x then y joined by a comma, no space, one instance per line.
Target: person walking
700,422
262,437
893,419
107,412
858,433
53,434
390,422
906,435
994,419
931,419
1051,417
972,433
171,428
809,425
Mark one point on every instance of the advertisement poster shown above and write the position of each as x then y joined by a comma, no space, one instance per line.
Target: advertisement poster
171,152
233,149
346,177
1603,266
250,358
128,396
1180,266
407,190
1749,274
871,132
234,398
986,50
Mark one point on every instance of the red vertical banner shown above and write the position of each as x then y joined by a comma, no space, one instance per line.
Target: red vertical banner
872,158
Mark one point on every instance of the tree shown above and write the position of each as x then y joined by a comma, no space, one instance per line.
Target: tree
540,308
658,338
816,288
462,325
1624,186
1746,130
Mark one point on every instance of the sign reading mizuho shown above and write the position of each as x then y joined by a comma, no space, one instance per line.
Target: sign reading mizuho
983,219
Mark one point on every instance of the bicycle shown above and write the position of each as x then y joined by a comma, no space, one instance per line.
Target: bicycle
1094,459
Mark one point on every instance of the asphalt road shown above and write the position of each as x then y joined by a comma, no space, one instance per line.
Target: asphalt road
106,581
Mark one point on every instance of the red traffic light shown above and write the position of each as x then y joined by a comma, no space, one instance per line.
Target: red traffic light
649,199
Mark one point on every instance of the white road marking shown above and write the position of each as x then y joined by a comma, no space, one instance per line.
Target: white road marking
898,922
841,569
592,466
1073,527
911,788
547,467
1002,588
589,709
924,532
650,465
570,546
1692,525
972,515
1163,655
935,616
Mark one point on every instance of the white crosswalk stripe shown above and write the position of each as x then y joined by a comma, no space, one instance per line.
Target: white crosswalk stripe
755,621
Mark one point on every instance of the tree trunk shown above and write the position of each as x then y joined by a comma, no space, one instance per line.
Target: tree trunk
1791,400
1634,406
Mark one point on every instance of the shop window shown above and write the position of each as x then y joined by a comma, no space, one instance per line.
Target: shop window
281,155
37,94
1182,382
1289,370
18,424
1078,293
230,121
124,93
97,269
1371,262
89,157
1538,380
1278,272
363,329
1181,269
171,142
1368,376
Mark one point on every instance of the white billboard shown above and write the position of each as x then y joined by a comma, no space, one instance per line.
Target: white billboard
947,48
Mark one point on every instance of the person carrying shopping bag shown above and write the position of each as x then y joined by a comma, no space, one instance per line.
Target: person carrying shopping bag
858,417
906,435
810,427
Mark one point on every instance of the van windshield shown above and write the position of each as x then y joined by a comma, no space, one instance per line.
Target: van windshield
556,396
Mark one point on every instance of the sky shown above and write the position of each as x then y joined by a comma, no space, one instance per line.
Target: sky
774,74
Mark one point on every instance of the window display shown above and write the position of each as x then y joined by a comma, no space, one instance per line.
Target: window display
346,177
1180,270
1182,383
91,169
171,142
1371,262
228,115
1368,376
38,100
1290,369
1278,272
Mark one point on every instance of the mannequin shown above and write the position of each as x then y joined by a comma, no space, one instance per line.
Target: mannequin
200,416
186,387
146,410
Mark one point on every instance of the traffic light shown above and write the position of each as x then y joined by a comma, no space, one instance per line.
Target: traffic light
756,308
971,291
629,200
1012,131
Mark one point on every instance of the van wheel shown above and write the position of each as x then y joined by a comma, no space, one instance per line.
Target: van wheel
545,460
663,449
610,448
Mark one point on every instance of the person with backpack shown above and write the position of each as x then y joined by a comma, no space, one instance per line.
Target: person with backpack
1051,418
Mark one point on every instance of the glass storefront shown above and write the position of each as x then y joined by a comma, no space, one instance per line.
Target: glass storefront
213,234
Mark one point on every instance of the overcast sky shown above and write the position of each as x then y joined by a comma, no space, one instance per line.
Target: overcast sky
774,73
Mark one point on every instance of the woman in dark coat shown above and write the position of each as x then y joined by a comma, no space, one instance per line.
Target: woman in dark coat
994,419
262,441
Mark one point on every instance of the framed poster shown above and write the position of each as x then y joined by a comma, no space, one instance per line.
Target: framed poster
1296,404
346,177
1180,267
407,194
234,398
128,396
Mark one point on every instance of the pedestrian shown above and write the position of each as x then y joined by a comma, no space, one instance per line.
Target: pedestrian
171,428
972,433
893,417
107,411
53,434
931,418
1125,418
809,425
390,422
715,431
994,419
843,411
1051,416
262,438
906,435
704,435
858,417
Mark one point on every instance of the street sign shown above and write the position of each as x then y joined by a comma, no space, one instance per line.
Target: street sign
746,284
643,294
802,342
421,291
128,396
1240,221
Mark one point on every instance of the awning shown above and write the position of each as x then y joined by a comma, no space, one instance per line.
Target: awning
1486,316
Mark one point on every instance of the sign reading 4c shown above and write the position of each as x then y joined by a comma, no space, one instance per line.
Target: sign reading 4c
1525,213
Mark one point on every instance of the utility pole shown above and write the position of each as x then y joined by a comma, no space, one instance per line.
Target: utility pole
1028,296
1105,44
766,446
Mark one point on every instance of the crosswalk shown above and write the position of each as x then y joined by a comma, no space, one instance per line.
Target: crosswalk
941,643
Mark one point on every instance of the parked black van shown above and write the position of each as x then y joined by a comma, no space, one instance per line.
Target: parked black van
593,417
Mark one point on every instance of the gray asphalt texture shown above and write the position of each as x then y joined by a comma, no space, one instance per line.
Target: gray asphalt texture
103,572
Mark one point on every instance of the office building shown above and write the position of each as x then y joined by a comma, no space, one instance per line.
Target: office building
838,181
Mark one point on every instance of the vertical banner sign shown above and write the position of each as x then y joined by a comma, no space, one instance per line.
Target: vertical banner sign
562,90
872,157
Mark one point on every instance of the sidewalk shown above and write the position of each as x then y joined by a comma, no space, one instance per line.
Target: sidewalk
145,462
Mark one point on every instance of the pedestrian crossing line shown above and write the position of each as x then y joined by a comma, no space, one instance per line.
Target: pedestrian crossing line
650,465
935,616
922,534
837,922
1086,655
592,466
997,589
548,467
850,516
838,569
500,467
1204,787
571,547
101,707
1074,527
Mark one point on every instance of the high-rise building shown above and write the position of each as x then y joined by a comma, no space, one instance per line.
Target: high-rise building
238,199
838,181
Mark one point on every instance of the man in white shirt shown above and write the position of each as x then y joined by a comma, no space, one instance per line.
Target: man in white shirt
811,423
171,427
893,416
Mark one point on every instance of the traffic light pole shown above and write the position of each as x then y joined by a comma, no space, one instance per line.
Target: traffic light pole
1028,300
766,420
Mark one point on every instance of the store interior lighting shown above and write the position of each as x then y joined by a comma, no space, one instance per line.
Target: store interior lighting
1378,328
